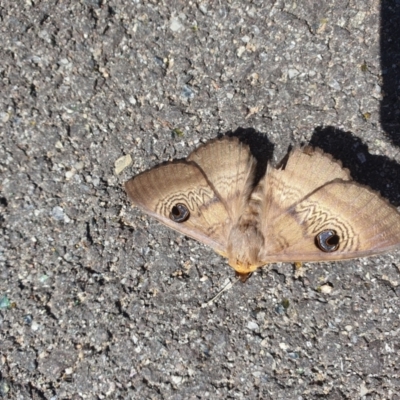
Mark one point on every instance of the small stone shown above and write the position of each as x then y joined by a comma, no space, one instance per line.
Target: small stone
122,163
69,174
348,328
358,19
4,117
175,25
334,84
293,355
79,165
292,73
187,92
283,346
43,34
43,278
57,213
280,309
63,61
326,288
363,390
4,387
253,326
134,339
203,8
34,326
176,380
240,51
260,316
4,302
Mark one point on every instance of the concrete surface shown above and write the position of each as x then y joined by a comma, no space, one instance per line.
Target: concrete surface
99,301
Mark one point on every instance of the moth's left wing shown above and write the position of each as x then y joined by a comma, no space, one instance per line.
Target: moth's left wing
169,189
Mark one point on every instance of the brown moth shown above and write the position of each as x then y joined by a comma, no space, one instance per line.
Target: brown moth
308,209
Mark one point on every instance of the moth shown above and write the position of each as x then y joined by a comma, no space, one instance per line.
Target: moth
307,209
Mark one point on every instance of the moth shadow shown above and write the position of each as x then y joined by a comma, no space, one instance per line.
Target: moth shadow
389,57
378,172
260,146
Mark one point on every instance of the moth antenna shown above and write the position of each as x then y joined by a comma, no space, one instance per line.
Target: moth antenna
227,286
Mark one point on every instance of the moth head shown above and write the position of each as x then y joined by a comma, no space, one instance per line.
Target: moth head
242,267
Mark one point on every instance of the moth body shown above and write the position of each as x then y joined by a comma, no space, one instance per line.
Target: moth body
244,245
246,239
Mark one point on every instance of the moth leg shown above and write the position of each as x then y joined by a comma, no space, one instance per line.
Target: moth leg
298,270
298,265
224,289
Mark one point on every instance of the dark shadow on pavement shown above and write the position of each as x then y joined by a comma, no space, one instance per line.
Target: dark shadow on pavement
390,67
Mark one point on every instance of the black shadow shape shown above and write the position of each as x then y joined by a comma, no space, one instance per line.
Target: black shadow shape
378,172
390,66
261,148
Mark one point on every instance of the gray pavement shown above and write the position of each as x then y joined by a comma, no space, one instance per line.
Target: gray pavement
99,301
